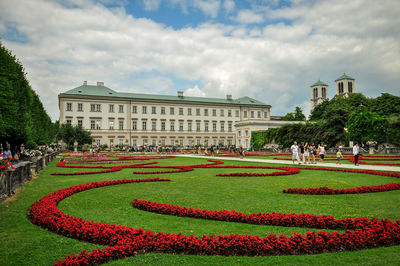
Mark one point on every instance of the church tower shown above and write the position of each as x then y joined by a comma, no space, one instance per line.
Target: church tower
344,85
319,93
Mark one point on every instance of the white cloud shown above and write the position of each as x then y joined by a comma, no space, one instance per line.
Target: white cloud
195,91
248,16
151,5
68,43
229,6
208,7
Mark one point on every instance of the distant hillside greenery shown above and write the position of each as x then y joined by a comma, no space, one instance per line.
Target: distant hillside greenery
22,116
365,119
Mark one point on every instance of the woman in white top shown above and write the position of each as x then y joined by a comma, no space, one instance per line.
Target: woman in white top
321,150
306,153
295,152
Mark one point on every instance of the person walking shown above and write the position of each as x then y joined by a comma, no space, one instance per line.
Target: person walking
339,157
241,152
295,152
321,151
306,153
313,152
356,153
301,151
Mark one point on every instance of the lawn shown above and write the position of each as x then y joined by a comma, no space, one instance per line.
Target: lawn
26,244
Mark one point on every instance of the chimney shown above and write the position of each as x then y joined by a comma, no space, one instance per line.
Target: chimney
180,94
229,97
100,83
85,82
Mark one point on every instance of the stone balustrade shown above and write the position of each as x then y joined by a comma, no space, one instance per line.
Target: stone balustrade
10,180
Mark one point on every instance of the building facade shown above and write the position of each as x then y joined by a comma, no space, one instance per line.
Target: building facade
345,85
161,120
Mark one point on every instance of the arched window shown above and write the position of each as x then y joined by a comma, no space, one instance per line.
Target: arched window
324,92
315,93
340,87
350,86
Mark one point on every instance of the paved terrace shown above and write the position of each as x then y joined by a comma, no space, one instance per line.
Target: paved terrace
334,165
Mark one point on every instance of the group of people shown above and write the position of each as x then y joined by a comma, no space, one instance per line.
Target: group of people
306,153
8,155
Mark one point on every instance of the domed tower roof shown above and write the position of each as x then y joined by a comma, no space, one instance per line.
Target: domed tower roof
319,83
344,76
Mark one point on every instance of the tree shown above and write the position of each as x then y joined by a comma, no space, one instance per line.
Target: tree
69,134
386,105
296,116
364,125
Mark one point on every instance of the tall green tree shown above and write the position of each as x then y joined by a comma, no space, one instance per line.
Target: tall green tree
69,134
364,125
296,116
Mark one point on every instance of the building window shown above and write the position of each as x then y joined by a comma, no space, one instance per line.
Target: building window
206,126
98,124
134,125
198,142
222,142
80,122
198,126
134,109
258,114
190,142
252,114
229,113
111,108
144,142
69,106
222,126
229,142
214,112
69,121
153,142
230,127
245,114
80,107
92,108
205,112
340,87
237,113
180,111
222,112
163,125
265,115
121,142
172,142
239,133
215,142
111,123
144,109
323,92
189,111
98,143
180,126
144,125
315,92
153,110
189,126
214,126
153,125
163,142
198,111
98,107
134,142
350,84
92,124
121,125
121,108
181,142
171,111
247,133
172,126
163,110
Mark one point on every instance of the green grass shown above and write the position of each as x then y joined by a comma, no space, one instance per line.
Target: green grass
23,243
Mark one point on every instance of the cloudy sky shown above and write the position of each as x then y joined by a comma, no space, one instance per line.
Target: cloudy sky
270,50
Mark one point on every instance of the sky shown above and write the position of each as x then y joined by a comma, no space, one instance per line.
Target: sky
269,50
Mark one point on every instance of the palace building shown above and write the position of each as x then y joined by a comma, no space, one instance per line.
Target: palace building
161,120
319,90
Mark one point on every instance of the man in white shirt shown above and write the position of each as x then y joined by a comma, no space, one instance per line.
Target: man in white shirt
295,152
356,153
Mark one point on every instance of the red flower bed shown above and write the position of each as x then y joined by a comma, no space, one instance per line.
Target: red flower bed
123,241
180,170
288,171
389,164
330,191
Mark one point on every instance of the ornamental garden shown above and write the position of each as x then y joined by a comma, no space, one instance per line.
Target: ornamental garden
124,208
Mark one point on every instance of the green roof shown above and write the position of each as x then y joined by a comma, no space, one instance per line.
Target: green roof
344,76
319,83
103,91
